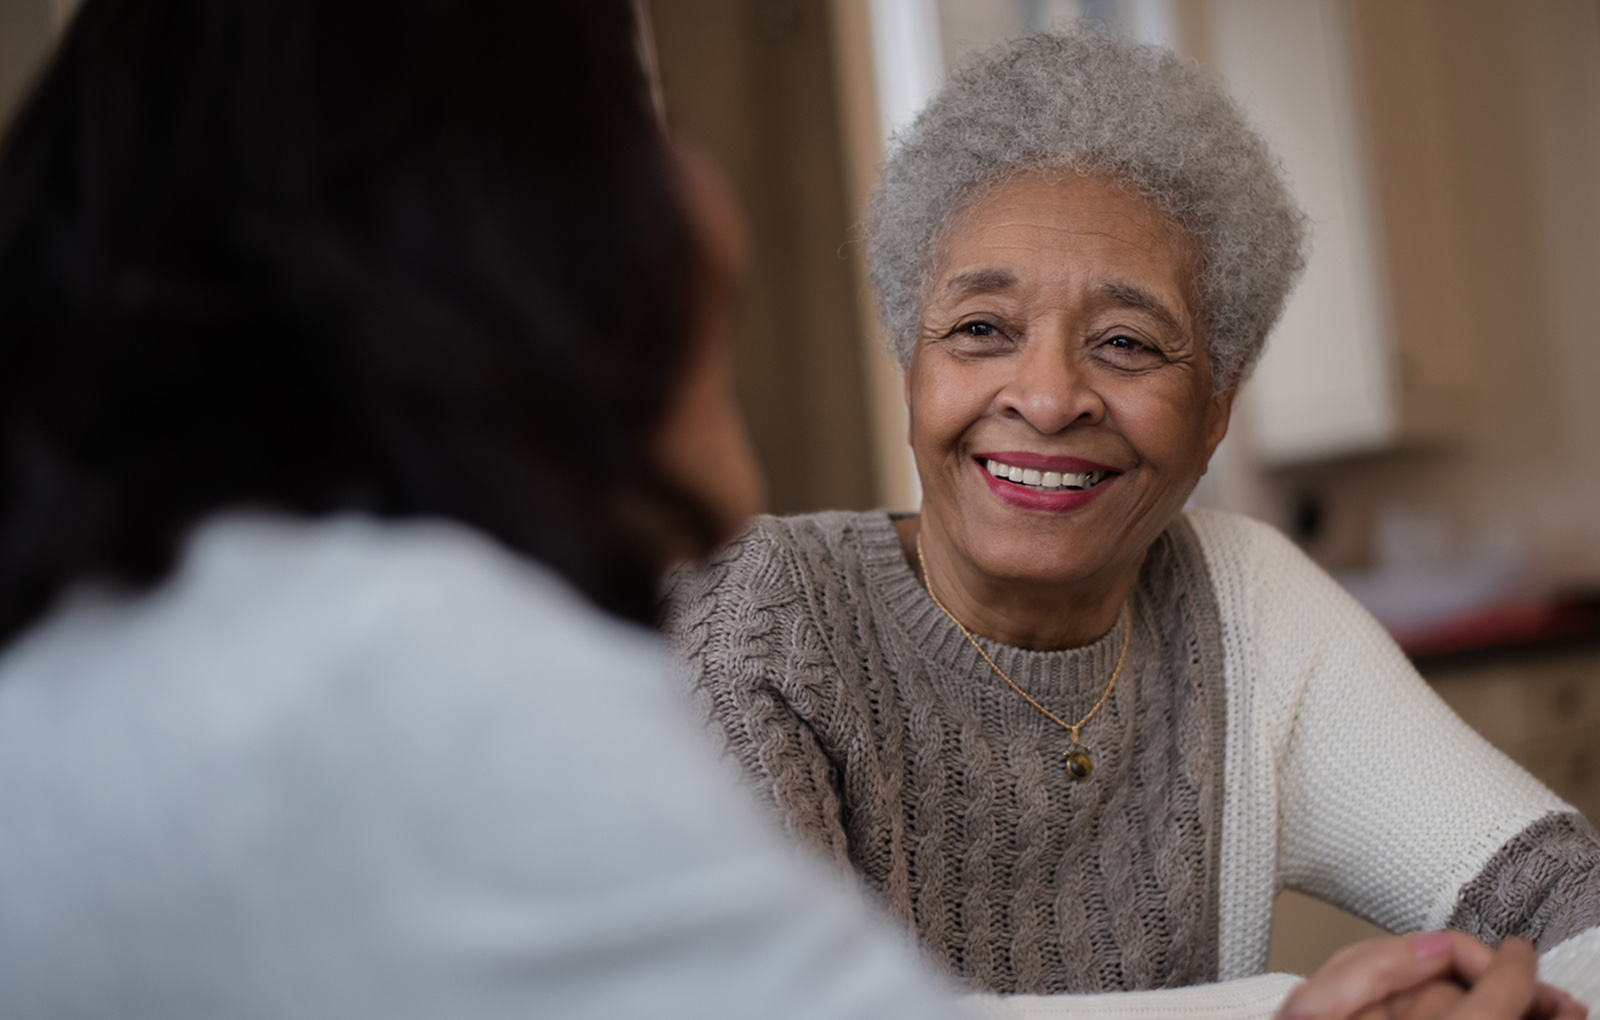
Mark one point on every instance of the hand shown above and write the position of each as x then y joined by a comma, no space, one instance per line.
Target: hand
1432,976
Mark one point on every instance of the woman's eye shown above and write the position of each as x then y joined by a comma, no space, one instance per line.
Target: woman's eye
1129,353
986,333
1129,350
979,338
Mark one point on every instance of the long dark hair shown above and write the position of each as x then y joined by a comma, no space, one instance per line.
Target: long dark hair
410,257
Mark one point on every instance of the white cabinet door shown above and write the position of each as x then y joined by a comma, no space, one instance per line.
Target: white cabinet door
1326,384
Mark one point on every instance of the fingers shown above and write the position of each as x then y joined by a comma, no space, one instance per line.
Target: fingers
1365,974
1472,959
1416,976
1428,1000
1550,1003
1567,1007
1506,988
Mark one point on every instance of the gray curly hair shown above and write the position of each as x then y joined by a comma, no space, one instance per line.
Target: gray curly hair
1096,104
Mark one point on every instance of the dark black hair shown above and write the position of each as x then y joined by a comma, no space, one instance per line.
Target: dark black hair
409,257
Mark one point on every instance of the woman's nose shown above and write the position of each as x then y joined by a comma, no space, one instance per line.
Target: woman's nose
1051,390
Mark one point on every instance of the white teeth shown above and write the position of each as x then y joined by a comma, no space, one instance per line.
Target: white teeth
1045,479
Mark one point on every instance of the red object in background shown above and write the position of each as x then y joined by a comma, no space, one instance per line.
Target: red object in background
1524,625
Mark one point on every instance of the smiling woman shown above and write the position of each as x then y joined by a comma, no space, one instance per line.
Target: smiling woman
1075,738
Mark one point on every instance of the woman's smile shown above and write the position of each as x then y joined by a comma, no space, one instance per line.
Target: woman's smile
1035,481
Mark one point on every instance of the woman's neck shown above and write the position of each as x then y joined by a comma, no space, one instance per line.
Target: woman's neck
1035,616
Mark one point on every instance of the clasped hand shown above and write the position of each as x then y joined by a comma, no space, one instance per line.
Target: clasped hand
1430,976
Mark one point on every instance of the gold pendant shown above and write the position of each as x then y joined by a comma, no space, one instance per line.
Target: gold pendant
1079,767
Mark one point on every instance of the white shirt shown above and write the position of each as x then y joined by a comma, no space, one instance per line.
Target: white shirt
357,769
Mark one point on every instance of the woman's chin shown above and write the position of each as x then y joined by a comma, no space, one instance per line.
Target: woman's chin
1033,539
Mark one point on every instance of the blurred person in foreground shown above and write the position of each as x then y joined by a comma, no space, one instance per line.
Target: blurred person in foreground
1075,738
362,370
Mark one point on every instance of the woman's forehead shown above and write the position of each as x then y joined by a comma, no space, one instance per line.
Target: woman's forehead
1045,236
1053,224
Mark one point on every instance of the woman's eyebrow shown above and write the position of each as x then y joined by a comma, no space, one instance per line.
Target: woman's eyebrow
1134,296
979,281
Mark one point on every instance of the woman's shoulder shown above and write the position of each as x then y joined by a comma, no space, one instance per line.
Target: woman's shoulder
307,628
1269,593
827,532
351,581
1223,533
781,554
1279,610
1240,550
776,579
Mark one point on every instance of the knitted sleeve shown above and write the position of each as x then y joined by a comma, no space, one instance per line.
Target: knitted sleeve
1349,779
736,623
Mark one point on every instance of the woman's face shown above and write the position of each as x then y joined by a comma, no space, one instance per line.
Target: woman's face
1059,346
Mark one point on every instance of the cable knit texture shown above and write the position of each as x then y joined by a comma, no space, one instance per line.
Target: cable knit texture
1541,885
884,740
1266,733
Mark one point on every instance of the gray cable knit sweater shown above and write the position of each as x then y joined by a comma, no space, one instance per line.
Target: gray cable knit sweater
884,741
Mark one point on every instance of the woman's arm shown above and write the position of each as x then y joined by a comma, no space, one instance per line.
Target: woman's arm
1381,800
1441,975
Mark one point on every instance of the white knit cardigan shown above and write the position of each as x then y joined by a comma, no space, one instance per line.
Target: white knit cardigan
1322,708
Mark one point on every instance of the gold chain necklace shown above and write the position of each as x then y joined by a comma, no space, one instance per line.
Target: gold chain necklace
1079,765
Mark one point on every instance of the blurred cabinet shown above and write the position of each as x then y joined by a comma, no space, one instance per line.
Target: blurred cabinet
1326,384
1413,106
1544,712
1374,350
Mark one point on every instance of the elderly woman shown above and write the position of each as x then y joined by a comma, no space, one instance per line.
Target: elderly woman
1075,738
